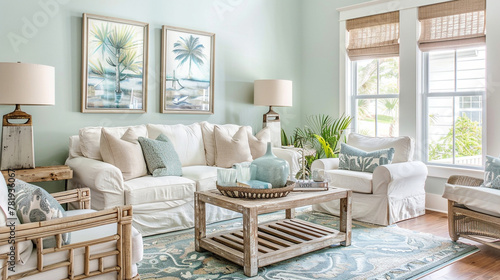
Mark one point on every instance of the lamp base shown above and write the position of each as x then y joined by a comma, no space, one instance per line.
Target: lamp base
17,141
271,119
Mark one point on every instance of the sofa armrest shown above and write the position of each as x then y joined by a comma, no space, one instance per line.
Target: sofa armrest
37,231
325,164
104,180
400,178
291,156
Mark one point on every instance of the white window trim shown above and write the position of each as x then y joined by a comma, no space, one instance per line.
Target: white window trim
445,172
491,145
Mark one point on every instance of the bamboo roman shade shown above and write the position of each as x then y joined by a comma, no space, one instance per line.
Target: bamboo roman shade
373,36
452,24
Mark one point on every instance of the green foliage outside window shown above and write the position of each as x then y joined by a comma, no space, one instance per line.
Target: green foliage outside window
468,141
379,76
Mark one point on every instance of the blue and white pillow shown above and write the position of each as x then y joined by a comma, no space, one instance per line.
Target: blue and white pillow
492,173
354,159
34,204
161,157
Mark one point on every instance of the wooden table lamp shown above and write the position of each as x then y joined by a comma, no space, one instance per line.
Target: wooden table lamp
22,84
273,93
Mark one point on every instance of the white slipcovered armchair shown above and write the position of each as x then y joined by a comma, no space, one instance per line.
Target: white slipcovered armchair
392,193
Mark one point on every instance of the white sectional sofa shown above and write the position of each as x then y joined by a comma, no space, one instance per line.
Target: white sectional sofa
160,204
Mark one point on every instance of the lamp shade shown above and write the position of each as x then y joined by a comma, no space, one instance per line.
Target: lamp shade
273,93
26,84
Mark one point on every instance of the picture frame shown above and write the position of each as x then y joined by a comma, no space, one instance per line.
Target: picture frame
187,71
114,65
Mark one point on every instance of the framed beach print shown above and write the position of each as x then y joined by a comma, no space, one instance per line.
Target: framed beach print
187,71
114,65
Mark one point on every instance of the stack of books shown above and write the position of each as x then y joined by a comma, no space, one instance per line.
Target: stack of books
310,185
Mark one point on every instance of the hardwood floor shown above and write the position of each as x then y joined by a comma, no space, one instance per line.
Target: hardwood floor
484,264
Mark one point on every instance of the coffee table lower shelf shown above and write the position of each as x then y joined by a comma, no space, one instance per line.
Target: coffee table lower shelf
277,241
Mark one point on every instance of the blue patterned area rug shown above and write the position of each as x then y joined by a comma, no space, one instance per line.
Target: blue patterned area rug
376,253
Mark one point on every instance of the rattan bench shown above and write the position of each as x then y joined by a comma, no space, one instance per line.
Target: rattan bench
470,224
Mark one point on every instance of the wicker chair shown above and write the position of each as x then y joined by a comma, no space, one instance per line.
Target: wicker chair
470,224
121,250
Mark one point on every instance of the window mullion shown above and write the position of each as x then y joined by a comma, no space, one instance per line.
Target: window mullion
354,100
376,100
455,73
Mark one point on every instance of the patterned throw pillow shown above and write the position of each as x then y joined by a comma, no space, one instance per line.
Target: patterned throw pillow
34,204
358,160
161,157
492,173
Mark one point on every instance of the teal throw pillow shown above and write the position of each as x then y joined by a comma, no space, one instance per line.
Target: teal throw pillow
492,173
358,160
161,157
34,204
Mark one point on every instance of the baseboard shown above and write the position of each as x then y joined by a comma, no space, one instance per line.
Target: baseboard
436,202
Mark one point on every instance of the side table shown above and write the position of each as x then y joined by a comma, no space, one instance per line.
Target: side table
41,174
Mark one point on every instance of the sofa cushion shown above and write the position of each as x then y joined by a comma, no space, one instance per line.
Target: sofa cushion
150,189
355,159
187,141
258,143
204,176
161,157
74,147
209,138
90,138
356,181
24,247
484,200
403,145
492,173
124,153
231,149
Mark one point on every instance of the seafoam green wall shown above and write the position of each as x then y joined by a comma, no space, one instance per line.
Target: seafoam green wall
255,39
320,56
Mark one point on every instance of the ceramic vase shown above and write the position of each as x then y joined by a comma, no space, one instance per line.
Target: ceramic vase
269,168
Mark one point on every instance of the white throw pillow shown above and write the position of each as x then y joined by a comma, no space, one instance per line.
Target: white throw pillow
90,138
258,143
209,138
124,153
187,141
403,145
231,149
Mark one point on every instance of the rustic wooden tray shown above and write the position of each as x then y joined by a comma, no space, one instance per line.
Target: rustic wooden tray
240,192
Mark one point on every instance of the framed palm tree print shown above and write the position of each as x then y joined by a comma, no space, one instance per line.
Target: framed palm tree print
114,65
187,71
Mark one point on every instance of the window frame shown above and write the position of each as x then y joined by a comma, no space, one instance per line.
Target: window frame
425,95
355,96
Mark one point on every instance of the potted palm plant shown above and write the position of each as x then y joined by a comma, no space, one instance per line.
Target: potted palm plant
320,138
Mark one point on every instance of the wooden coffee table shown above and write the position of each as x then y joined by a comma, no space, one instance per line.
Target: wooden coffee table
257,245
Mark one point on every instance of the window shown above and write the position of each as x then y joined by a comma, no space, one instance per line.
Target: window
453,98
375,98
443,105
374,51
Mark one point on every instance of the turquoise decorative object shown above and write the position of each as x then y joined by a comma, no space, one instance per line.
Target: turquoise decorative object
269,168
